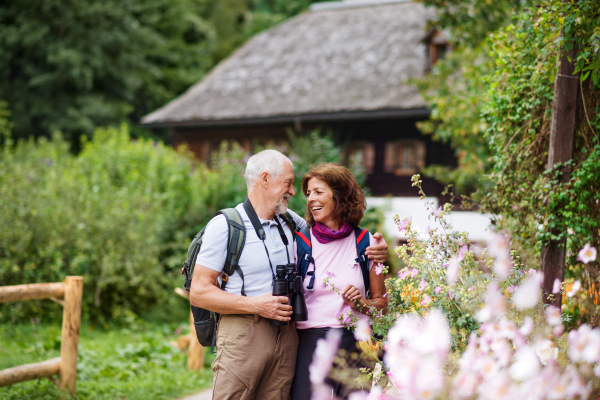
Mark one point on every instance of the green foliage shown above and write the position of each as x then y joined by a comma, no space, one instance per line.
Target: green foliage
5,124
470,22
137,363
456,93
73,66
120,214
521,96
507,85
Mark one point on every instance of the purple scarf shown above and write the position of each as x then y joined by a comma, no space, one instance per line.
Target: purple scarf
325,235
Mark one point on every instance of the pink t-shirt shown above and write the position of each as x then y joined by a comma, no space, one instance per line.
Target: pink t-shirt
337,258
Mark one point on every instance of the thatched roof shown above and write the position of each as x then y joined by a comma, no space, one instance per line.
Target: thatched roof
339,57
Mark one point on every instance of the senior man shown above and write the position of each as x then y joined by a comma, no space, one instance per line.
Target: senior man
255,360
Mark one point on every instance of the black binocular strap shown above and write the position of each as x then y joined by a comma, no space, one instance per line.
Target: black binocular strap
260,232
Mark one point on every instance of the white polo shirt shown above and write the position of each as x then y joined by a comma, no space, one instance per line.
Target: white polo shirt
258,278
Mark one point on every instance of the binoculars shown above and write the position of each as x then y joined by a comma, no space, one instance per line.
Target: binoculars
288,283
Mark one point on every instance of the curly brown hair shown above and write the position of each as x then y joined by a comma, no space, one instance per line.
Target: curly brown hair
350,203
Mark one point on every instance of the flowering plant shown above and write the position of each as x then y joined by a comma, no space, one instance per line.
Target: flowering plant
469,323
445,271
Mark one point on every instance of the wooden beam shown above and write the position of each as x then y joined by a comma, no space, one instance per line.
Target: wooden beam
196,351
70,332
182,293
562,135
32,291
28,372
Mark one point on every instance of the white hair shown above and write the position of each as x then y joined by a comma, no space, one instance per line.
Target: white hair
270,161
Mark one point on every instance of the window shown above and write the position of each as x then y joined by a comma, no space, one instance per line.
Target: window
436,46
404,157
362,152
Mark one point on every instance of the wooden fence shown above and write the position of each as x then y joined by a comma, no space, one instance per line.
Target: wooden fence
71,291
195,350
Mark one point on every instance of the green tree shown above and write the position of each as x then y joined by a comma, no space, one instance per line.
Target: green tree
72,66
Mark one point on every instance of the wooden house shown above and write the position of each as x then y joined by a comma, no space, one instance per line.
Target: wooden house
343,66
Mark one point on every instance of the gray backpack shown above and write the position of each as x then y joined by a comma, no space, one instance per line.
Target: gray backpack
205,321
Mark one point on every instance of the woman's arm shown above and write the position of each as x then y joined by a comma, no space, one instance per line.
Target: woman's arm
353,298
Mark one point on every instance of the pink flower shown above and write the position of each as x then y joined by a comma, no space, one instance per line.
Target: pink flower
502,267
331,274
451,295
414,272
528,293
553,316
556,286
438,211
423,284
511,288
587,254
453,270
461,253
472,288
499,247
385,294
403,274
403,224
426,300
428,229
437,290
574,289
323,357
379,268
362,332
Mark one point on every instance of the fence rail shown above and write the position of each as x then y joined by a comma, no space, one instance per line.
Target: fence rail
71,290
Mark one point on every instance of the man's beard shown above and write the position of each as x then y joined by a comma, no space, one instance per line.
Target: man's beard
280,207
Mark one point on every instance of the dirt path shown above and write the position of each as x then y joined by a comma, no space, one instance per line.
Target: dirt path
204,395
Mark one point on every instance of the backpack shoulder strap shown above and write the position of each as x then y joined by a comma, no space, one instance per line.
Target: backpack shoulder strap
363,240
303,251
235,245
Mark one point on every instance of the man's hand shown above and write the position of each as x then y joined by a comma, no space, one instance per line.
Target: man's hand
272,307
378,253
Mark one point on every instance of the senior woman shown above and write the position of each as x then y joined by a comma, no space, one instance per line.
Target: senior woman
335,205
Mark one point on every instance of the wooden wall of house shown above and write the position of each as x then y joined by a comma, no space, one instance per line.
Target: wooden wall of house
378,132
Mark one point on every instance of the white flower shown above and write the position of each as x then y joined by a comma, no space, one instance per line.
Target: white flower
527,294
587,254
546,349
377,373
574,289
453,270
553,316
362,332
526,364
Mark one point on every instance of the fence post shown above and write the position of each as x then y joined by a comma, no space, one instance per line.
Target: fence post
196,351
70,332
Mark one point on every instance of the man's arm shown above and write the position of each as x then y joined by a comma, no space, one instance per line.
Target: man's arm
205,294
379,252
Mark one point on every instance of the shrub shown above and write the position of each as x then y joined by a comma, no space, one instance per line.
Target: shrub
120,214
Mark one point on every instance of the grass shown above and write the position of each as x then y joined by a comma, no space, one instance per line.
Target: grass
133,363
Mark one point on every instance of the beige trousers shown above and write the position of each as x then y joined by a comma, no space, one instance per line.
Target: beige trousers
254,359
